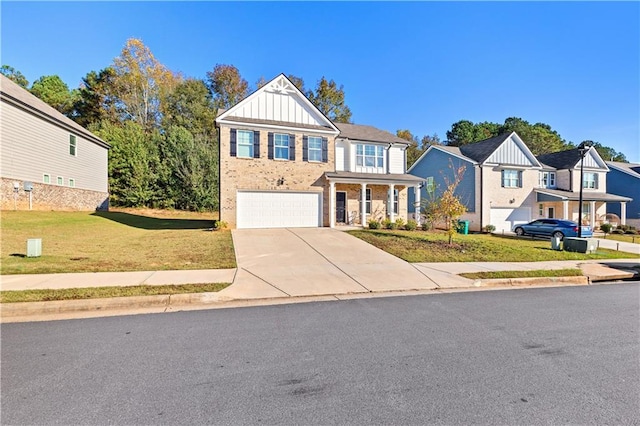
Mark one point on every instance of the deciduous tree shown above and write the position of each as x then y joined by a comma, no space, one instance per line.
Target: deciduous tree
329,98
226,85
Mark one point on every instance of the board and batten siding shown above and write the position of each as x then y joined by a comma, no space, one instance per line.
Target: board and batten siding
342,155
396,160
31,147
510,153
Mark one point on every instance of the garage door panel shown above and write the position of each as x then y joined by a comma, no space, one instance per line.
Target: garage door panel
504,219
278,209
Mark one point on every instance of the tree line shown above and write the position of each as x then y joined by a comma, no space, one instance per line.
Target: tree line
161,125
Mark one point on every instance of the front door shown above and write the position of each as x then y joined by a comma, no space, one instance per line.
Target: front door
341,206
552,213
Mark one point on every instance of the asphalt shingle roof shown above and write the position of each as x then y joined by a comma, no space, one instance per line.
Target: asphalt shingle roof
480,151
561,160
631,168
367,133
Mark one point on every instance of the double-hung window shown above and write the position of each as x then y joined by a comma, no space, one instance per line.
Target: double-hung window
315,148
369,155
510,178
244,143
430,185
547,180
72,145
281,146
590,181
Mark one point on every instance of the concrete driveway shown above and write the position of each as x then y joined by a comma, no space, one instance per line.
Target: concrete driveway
314,262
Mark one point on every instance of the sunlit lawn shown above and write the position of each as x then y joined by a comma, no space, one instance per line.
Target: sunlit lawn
126,240
432,246
627,238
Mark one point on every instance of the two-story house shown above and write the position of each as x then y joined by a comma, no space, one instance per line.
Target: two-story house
283,163
48,161
624,179
504,184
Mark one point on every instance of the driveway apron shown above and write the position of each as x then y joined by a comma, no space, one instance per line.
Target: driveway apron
313,262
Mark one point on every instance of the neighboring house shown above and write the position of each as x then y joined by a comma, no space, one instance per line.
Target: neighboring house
504,184
624,179
48,162
285,164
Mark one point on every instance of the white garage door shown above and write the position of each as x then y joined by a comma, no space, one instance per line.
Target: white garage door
505,219
262,209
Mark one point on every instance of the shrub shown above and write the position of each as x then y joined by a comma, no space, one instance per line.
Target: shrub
393,225
489,228
425,226
618,231
386,223
631,232
411,225
374,224
400,223
219,224
606,228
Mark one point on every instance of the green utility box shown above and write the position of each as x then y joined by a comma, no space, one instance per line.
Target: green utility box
580,245
463,227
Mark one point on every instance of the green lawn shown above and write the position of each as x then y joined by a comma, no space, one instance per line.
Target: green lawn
539,273
125,240
47,295
625,238
432,246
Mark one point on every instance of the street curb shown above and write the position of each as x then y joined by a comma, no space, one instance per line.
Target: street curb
537,281
163,303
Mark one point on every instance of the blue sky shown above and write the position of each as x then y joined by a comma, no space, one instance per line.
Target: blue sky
414,65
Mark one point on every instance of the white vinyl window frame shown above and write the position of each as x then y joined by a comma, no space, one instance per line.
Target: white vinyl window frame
314,149
281,146
244,143
590,181
396,197
60,181
73,146
369,156
511,178
367,201
547,180
72,183
46,178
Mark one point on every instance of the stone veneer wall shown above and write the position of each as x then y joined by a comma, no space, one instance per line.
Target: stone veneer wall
51,197
263,174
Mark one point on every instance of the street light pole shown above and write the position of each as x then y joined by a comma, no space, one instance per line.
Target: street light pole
583,149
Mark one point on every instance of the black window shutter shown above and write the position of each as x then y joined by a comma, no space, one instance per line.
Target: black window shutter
325,150
305,148
232,140
292,147
256,144
519,179
270,146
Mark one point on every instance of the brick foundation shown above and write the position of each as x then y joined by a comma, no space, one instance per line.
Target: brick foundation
51,197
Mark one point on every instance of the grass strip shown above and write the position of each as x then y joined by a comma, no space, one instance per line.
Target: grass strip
47,295
571,272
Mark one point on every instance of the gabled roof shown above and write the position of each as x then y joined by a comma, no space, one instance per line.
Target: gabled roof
628,168
362,132
453,150
482,150
570,159
15,95
279,103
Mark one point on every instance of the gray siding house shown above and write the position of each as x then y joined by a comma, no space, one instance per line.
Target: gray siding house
47,161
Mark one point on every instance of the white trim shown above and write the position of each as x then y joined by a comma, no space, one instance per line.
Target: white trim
46,176
624,170
70,180
294,90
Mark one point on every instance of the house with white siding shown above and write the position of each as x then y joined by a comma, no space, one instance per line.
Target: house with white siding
283,163
47,161
504,184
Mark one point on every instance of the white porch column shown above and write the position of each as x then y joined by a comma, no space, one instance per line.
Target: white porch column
363,206
592,214
416,204
392,215
565,210
332,204
623,212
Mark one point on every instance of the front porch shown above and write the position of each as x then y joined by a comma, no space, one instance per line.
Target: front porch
553,203
356,198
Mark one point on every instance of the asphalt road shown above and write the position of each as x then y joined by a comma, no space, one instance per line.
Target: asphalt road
535,356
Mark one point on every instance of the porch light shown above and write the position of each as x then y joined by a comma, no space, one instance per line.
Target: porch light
582,149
